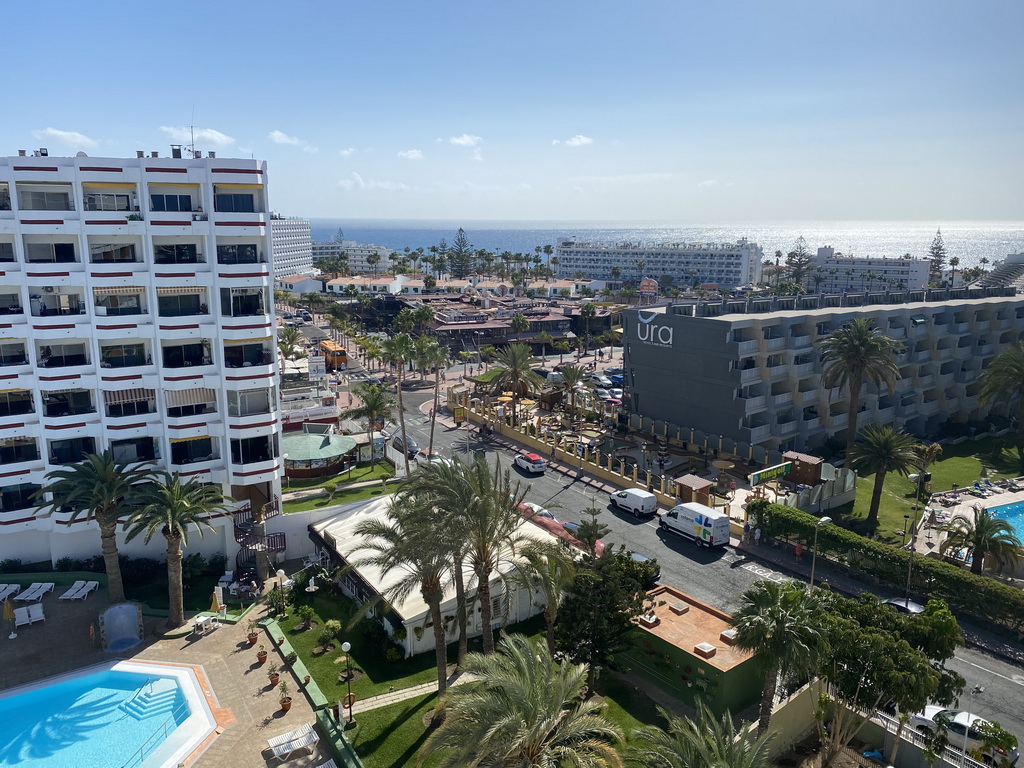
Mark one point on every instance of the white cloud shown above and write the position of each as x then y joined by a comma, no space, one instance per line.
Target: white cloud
708,183
347,152
466,140
578,190
355,181
184,135
67,138
578,140
478,155
411,154
280,137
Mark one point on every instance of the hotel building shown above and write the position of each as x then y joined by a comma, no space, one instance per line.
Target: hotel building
291,246
832,272
136,315
357,255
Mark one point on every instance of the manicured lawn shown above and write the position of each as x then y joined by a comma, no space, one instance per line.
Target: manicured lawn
357,475
341,497
626,707
488,376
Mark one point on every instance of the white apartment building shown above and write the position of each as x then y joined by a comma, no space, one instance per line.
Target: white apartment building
727,265
136,314
291,246
357,254
833,272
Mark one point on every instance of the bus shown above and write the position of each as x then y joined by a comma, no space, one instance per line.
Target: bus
335,354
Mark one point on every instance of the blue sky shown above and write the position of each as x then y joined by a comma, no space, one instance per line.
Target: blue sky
674,112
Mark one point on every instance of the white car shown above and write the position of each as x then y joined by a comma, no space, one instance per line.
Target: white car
531,462
601,394
960,731
615,392
601,380
536,510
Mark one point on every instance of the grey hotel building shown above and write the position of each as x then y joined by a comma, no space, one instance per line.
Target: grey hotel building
750,368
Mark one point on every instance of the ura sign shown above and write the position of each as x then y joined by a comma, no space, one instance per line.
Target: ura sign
651,332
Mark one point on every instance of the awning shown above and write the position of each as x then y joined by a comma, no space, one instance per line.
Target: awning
121,396
16,389
246,291
247,341
16,440
177,290
46,392
177,398
119,289
918,319
189,439
114,184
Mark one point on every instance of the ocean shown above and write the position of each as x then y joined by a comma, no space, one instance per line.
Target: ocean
970,241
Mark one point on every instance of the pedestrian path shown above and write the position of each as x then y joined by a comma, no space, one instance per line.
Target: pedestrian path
393,697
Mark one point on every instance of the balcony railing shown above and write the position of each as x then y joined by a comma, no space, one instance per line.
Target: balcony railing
784,399
799,342
777,342
756,434
748,347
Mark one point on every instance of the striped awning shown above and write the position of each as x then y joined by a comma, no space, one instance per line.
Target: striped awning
114,184
16,389
189,439
47,392
178,398
177,290
121,396
119,289
247,341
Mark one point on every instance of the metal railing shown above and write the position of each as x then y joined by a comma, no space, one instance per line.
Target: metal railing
168,725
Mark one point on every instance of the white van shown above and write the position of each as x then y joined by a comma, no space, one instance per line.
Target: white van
634,500
695,521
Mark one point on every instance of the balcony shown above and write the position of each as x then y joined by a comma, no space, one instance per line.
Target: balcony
754,435
951,404
12,354
134,450
18,450
776,342
71,451
783,399
787,427
187,355
885,414
812,423
799,342
835,394
254,450
177,253
985,349
776,371
942,353
189,451
753,404
929,407
803,369
982,325
839,420
181,302
960,327
125,356
925,380
62,356
750,375
897,333
247,355
922,357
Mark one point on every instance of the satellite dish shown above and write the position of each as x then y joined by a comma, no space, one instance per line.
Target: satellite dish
80,154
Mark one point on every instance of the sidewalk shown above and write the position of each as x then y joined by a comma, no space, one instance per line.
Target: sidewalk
393,697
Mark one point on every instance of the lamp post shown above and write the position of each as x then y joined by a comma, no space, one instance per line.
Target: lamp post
967,728
345,648
814,555
906,527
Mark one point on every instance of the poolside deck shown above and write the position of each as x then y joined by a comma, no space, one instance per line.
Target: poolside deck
247,708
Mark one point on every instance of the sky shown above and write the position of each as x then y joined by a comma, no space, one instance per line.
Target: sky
657,111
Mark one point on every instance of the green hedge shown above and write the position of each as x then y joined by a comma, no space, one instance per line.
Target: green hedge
976,596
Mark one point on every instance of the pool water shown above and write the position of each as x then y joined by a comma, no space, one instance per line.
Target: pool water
97,720
1013,514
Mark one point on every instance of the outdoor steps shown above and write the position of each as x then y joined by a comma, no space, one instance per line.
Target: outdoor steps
160,697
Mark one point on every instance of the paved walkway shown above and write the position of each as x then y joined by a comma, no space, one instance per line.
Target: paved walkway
393,697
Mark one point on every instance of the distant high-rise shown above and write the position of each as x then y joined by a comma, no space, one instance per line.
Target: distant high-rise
291,246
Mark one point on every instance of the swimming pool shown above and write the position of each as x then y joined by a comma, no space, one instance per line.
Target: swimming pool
1011,513
130,714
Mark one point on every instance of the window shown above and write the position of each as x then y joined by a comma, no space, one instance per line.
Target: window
246,355
181,305
61,355
128,451
189,451
16,403
171,203
13,450
18,497
120,304
223,203
5,198
133,408
107,201
196,409
10,304
63,253
100,252
12,353
72,403
179,253
253,449
242,302
38,200
185,355
6,251
68,451
250,402
123,355
247,253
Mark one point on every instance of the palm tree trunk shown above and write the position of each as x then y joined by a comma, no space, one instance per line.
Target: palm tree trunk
175,591
433,412
440,649
771,680
549,619
108,546
369,433
401,417
483,591
876,498
1020,422
853,413
460,609
977,561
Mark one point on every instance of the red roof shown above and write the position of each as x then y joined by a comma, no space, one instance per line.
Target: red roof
534,456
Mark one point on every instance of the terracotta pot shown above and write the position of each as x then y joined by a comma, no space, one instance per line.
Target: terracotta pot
253,638
286,704
306,679
274,680
261,656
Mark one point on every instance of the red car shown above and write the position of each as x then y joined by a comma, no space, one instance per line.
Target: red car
556,528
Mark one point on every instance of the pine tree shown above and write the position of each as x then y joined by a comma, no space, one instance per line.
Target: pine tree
937,256
460,255
798,261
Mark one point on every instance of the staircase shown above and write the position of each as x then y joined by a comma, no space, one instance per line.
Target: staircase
157,698
250,544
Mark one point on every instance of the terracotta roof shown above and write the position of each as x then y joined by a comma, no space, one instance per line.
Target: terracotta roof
693,482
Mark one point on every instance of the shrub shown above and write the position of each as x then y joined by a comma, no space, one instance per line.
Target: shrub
192,567
216,565
10,565
375,633
69,564
330,489
306,615
394,654
331,629
139,570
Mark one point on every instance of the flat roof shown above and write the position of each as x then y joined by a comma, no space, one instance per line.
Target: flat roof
700,624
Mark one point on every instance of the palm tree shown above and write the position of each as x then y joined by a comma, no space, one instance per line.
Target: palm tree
855,353
587,314
101,489
545,339
572,377
290,343
517,374
171,507
519,324
982,537
403,543
706,742
522,711
437,357
925,454
550,571
778,622
1003,382
398,350
882,450
376,404
953,263
561,347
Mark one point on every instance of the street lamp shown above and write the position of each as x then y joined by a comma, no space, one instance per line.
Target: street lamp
967,727
345,648
906,527
814,555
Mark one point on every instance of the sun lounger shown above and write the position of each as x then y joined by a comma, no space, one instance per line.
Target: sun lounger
289,748
21,617
34,592
328,764
70,593
35,613
9,590
284,738
84,592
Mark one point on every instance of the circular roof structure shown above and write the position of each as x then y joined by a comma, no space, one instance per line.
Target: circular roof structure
307,447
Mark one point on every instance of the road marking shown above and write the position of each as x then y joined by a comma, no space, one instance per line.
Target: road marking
1018,679
765,573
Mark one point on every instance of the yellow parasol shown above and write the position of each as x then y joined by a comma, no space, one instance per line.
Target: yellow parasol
504,399
215,605
9,616
528,403
507,394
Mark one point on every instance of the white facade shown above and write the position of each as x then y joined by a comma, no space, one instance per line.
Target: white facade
357,254
832,272
298,284
727,264
134,321
291,247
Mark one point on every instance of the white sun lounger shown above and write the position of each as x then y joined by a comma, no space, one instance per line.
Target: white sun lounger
9,590
35,613
70,593
286,750
21,617
284,738
34,592
86,589
329,764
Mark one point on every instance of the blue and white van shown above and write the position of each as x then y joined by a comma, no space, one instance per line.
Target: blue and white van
703,524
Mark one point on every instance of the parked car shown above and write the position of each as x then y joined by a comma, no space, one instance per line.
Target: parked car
306,316
600,379
531,462
612,401
529,509
904,605
960,731
617,380
602,393
559,530
542,372
404,443
615,392
287,315
614,370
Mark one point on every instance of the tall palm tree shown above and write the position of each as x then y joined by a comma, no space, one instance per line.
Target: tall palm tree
882,450
984,536
550,571
519,324
438,358
588,312
376,404
404,542
171,507
1003,381
290,343
399,350
855,353
561,347
517,374
705,742
778,623
925,454
101,489
545,340
572,376
522,711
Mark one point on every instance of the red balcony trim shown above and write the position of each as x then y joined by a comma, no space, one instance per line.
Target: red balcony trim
101,168
126,426
15,473
187,426
175,274
251,171
66,426
19,520
19,425
61,378
166,170
253,426
178,327
158,223
116,327
10,376
196,472
108,222
245,327
48,274
6,325
247,378
111,274
184,378
240,223
63,326
36,168
133,377
43,221
223,276
254,472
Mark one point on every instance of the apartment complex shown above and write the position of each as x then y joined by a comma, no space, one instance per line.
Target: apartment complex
726,265
358,255
291,246
832,272
136,314
751,370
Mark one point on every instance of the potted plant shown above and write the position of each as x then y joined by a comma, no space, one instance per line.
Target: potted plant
261,654
286,700
254,631
274,674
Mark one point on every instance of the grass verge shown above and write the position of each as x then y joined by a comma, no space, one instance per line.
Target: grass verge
341,497
356,475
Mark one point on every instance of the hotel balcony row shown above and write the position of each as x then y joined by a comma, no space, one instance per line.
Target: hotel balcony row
63,253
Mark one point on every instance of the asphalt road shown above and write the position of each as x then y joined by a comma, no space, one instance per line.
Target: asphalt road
715,576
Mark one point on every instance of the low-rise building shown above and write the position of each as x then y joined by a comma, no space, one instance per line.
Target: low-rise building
298,284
